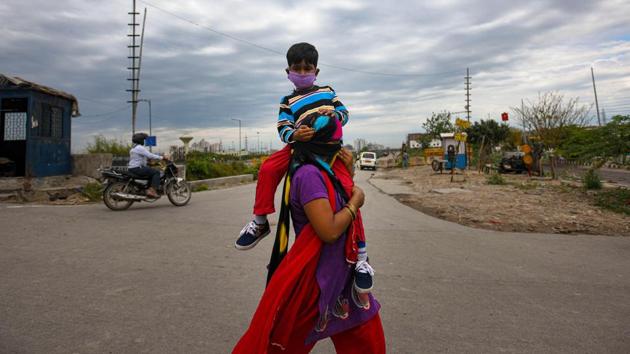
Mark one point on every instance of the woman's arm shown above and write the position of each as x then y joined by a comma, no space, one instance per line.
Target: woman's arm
328,225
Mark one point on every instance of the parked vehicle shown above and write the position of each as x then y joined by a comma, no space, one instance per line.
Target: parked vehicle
122,189
512,162
367,160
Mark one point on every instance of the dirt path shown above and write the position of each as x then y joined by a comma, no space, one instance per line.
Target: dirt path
521,205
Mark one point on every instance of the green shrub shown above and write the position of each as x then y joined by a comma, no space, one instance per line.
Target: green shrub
204,166
495,179
102,144
617,200
93,191
591,180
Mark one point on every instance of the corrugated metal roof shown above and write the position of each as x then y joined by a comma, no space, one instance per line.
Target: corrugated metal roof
8,81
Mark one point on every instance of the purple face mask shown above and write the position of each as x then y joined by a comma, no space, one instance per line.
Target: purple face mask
302,81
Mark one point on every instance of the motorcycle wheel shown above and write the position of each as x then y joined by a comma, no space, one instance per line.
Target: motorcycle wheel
178,193
113,203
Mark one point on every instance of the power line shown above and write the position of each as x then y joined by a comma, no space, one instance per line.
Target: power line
616,105
274,51
106,113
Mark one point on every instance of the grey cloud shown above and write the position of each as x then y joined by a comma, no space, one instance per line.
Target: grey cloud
81,48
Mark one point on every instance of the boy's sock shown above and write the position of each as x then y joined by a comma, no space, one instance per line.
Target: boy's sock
362,256
260,219
363,272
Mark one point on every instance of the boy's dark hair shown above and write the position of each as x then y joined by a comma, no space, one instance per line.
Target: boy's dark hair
302,51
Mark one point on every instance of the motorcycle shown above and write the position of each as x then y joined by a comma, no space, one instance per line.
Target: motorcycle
122,189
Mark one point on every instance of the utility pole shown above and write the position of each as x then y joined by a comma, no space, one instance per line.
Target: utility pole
137,81
134,68
467,83
150,130
239,137
599,121
258,142
246,147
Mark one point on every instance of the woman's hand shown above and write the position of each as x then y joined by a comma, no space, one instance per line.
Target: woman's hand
347,159
358,197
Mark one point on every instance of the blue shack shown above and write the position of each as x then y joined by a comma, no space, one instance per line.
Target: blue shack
461,158
35,129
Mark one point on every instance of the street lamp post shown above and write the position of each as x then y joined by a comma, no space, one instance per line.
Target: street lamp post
258,143
150,131
239,137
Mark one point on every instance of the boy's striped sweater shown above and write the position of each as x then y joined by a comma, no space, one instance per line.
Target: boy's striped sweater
299,104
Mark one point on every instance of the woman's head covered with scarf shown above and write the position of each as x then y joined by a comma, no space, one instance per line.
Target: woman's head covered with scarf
324,145
320,151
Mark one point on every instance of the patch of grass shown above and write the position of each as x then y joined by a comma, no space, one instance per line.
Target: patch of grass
495,179
93,191
200,188
617,200
591,180
526,185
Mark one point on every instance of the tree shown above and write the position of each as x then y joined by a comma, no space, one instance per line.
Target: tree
438,123
488,131
549,118
611,141
616,138
485,135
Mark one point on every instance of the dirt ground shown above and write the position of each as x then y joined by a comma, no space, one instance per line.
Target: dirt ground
521,205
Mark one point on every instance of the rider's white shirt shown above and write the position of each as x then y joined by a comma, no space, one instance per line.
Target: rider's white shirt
138,156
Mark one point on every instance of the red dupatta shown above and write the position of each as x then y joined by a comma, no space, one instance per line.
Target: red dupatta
286,292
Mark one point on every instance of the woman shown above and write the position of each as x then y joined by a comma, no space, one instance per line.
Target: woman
310,295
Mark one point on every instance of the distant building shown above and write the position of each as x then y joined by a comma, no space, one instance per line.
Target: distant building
414,141
359,144
35,128
374,147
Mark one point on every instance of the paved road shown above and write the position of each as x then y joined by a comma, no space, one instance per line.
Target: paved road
160,279
613,175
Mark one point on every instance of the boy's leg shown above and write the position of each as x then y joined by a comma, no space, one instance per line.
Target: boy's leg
269,176
356,247
366,338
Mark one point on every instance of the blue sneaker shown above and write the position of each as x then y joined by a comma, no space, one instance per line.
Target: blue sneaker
363,273
251,234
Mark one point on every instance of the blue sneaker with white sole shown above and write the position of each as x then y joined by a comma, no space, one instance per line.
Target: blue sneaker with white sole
363,274
251,234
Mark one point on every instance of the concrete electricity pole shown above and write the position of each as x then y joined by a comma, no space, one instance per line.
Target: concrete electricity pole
599,121
150,128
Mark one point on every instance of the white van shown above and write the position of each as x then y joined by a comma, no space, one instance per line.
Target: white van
367,160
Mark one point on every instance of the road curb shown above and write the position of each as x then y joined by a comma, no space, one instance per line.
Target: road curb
222,182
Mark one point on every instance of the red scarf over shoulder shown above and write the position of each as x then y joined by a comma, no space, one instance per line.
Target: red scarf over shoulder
286,292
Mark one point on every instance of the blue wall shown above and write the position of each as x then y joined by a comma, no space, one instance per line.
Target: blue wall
45,156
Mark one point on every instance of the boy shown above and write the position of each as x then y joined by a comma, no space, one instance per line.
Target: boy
306,99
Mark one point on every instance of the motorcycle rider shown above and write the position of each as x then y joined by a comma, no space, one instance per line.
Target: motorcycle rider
138,156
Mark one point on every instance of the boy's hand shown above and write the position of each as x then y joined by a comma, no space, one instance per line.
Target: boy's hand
303,134
328,112
347,159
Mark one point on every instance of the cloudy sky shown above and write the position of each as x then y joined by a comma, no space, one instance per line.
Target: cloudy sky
391,63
